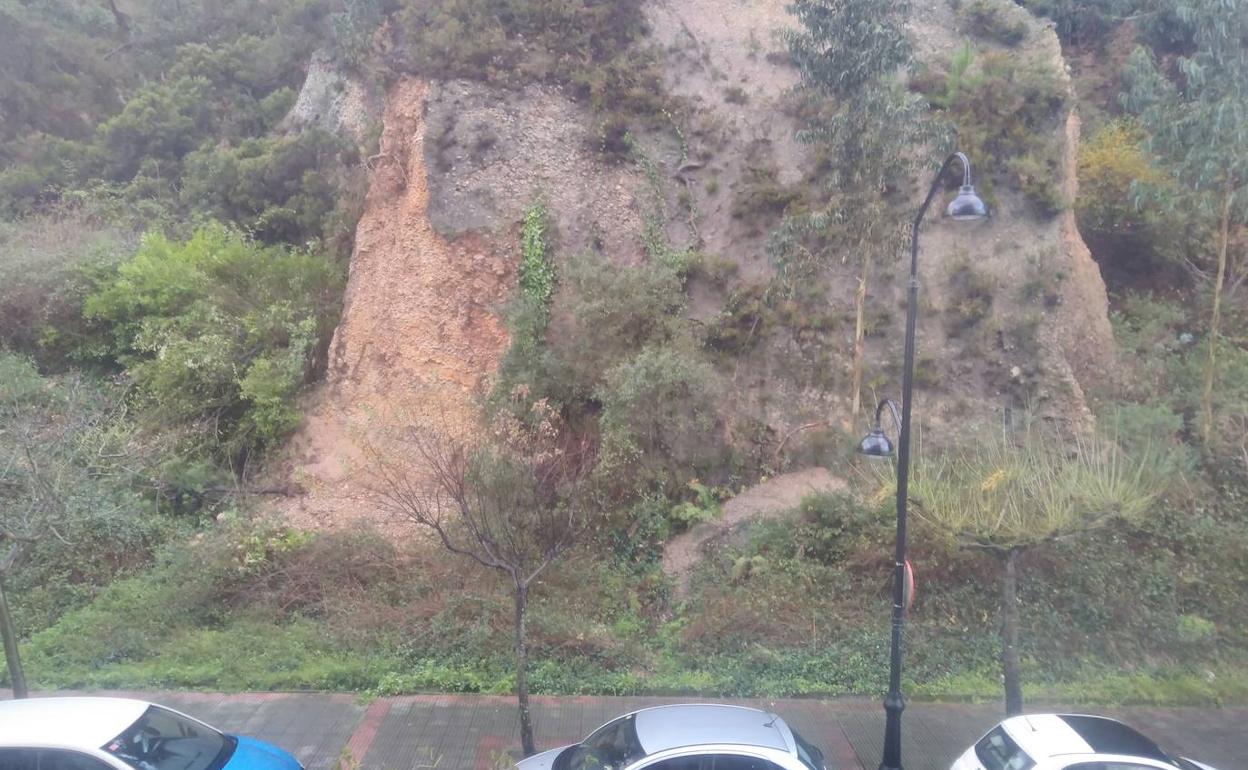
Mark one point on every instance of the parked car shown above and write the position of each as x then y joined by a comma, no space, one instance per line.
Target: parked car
122,734
1068,742
686,737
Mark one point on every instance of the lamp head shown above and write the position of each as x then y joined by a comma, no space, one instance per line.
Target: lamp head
875,444
967,206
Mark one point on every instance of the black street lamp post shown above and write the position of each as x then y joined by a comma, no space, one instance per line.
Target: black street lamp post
966,206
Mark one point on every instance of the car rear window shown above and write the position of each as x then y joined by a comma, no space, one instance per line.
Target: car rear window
165,740
1108,736
808,753
998,751
610,746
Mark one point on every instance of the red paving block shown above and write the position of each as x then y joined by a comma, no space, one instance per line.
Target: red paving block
362,738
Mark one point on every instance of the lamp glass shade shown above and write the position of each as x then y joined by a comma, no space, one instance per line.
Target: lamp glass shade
967,205
876,444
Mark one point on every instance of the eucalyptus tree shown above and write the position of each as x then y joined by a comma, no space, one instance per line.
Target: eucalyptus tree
851,55
1005,496
1197,115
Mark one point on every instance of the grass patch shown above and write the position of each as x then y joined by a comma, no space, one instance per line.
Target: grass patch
254,606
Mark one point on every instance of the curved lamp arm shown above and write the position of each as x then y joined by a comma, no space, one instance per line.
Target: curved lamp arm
892,407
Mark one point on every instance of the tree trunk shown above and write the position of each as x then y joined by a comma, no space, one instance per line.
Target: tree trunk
1009,633
122,21
522,672
16,678
860,304
1215,322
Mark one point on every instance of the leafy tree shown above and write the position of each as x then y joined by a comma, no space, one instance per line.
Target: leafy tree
281,189
53,75
849,53
1112,166
218,333
85,98
1197,118
160,124
1006,496
514,503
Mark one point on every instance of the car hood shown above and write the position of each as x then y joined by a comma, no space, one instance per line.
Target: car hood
1200,764
543,761
251,754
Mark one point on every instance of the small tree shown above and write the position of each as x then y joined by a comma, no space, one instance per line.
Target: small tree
514,503
1004,497
1198,123
849,54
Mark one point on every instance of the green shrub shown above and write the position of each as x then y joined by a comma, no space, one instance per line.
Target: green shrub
63,430
657,416
704,507
760,198
970,299
1005,111
995,20
537,274
44,260
837,526
1114,173
217,333
514,41
611,313
743,322
1077,22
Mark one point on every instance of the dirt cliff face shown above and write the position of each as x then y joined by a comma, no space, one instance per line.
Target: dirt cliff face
420,327
437,247
1049,309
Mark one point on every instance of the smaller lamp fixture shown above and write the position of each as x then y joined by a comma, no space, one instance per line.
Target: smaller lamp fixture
968,205
875,444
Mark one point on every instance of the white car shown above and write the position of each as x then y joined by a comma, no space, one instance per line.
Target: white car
1068,742
122,734
686,737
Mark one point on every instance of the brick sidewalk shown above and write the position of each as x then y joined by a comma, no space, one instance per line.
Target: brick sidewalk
471,732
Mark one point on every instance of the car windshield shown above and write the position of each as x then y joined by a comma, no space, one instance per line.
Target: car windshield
610,747
163,740
998,751
809,753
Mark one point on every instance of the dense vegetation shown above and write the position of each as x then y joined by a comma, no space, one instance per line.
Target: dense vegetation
171,260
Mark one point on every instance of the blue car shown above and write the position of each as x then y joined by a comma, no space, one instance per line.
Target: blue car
122,734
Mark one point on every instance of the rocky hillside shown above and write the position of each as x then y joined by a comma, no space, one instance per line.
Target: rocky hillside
1013,314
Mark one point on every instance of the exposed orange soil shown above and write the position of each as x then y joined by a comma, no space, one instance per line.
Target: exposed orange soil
419,334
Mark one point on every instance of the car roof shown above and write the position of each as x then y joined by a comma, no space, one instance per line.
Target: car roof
1045,735
82,723
1109,736
696,724
1052,735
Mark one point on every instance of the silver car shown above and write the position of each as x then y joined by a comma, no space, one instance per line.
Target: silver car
1068,742
686,737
